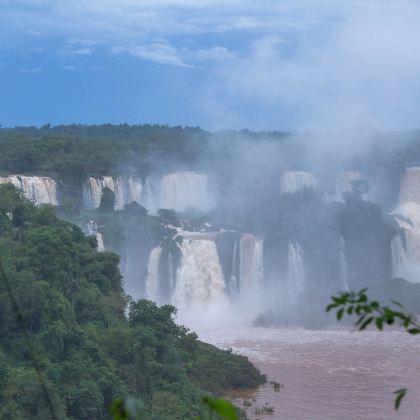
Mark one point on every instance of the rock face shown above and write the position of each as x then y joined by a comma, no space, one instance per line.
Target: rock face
344,181
38,189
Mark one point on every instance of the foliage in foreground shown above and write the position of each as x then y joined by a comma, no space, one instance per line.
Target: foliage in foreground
373,312
71,305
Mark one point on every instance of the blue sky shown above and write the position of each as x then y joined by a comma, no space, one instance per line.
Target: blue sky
263,64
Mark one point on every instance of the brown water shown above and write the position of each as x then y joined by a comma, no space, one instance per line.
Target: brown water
328,375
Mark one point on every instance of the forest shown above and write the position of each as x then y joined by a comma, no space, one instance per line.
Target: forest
64,314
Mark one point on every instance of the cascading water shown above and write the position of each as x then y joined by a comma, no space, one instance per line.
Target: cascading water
251,268
199,280
38,189
182,189
92,230
399,256
126,190
343,264
406,255
296,271
410,186
292,181
152,280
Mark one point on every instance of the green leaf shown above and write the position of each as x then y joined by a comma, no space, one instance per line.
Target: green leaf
400,394
397,303
366,323
350,310
223,408
330,306
340,313
379,323
413,331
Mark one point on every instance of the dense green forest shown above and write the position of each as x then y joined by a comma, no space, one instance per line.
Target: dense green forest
90,341
75,151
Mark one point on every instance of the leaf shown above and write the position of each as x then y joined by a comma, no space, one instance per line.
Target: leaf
340,313
366,323
330,306
400,394
397,303
413,331
379,323
350,310
223,408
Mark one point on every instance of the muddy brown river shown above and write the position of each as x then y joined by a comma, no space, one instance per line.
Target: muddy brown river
327,375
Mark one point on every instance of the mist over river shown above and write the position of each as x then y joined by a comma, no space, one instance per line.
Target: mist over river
333,374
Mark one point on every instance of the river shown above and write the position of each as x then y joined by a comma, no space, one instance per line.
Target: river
330,374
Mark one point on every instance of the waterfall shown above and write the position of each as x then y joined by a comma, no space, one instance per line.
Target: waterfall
182,189
152,279
38,189
296,271
399,256
343,264
199,279
234,274
251,266
343,183
92,230
406,254
126,190
292,181
410,186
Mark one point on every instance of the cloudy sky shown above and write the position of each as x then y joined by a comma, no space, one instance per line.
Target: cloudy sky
264,64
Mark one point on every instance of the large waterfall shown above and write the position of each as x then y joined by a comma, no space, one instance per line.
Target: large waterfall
152,280
292,181
251,268
410,186
405,246
183,189
199,280
296,271
126,190
38,189
176,191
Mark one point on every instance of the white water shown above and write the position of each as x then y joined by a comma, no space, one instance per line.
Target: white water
126,190
343,265
200,284
176,191
292,181
406,260
410,186
251,268
152,281
38,189
296,271
92,229
183,189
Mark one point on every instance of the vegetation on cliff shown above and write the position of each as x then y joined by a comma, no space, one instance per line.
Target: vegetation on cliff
90,349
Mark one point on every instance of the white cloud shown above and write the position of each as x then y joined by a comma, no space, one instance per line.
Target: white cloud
362,69
68,68
81,51
155,52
